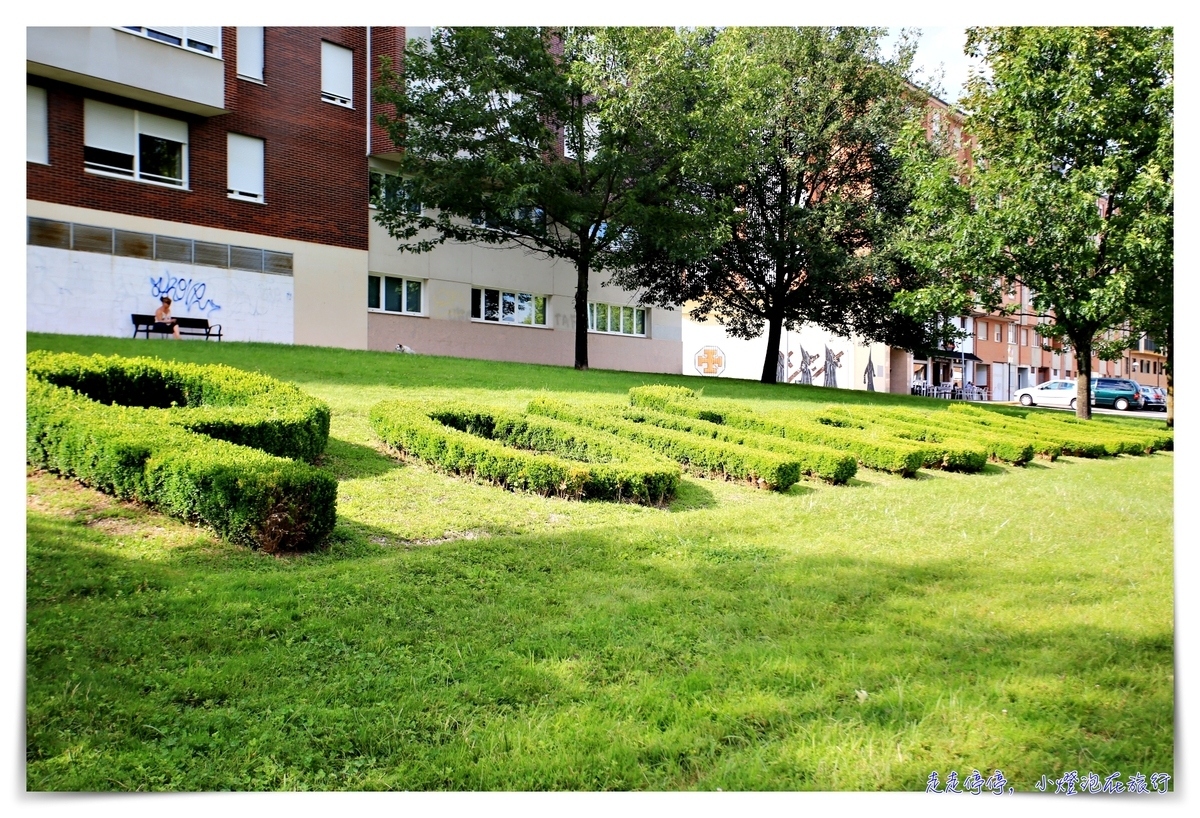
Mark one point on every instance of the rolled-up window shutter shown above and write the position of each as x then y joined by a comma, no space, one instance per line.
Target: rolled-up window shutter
37,148
250,51
163,128
337,71
245,165
209,35
109,127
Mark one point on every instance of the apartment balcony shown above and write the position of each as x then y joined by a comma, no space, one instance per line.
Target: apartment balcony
164,68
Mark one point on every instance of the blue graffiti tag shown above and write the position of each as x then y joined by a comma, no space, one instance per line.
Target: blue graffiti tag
186,291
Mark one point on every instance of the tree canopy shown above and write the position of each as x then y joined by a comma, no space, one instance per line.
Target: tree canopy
552,140
1070,193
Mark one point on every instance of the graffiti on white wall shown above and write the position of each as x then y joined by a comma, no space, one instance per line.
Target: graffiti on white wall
95,294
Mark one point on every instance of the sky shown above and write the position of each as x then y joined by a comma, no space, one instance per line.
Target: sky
939,53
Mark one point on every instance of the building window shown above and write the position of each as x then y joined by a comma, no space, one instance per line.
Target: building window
1024,337
37,122
337,74
999,329
250,52
386,187
1012,333
245,176
508,308
395,294
205,39
983,336
124,142
613,318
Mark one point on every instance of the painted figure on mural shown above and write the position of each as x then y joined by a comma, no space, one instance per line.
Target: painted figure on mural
806,362
869,374
163,320
832,362
780,369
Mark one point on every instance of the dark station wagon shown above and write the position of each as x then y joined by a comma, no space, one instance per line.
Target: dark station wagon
1118,393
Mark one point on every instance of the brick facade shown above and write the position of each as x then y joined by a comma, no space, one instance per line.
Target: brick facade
315,167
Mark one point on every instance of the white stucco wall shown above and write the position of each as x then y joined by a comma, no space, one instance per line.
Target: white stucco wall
94,294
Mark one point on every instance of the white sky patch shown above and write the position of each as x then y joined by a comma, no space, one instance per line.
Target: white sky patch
939,62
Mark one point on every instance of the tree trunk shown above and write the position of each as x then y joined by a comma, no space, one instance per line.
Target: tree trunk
771,363
581,314
1083,382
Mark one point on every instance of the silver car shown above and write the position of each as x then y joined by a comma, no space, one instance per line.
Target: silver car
1051,393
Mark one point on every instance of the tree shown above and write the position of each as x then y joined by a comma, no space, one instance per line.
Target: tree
804,174
479,113
1068,190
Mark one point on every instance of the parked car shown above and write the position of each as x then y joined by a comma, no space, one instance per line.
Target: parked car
1051,393
1154,397
1119,393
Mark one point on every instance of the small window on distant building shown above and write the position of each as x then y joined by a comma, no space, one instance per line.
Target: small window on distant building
250,52
395,294
1012,333
983,330
999,330
337,74
37,139
1024,337
245,176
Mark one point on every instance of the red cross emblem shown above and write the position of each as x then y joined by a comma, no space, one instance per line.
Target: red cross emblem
710,361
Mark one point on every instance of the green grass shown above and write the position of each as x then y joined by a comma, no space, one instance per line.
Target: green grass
457,636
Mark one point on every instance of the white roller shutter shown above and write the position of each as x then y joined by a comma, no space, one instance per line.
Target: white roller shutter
209,35
163,128
37,147
250,51
337,71
109,127
245,165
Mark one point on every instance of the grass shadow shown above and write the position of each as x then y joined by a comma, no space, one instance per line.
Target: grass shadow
350,461
691,496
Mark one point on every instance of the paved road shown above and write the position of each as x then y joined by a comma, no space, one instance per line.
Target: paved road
1143,414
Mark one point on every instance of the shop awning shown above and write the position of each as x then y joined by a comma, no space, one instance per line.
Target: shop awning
947,355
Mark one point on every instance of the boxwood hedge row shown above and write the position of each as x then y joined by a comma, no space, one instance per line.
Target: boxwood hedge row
871,450
1094,438
714,458
215,400
144,453
517,451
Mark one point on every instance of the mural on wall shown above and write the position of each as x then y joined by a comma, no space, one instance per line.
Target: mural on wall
832,362
710,361
95,294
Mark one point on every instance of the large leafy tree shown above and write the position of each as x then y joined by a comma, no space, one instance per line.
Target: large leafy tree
553,140
805,173
1070,193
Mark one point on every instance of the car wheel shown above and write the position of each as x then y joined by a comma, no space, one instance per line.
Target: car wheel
1073,404
1026,400
1120,404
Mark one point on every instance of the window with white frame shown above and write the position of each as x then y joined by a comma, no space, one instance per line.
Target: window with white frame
1012,333
508,307
999,330
337,74
616,319
37,139
387,188
123,142
983,336
205,39
392,294
250,52
245,176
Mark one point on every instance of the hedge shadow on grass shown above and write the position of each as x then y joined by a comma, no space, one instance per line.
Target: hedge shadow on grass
351,461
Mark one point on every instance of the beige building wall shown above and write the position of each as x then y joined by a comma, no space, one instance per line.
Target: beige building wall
446,328
329,281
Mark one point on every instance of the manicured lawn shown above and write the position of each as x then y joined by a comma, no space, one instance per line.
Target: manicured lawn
457,636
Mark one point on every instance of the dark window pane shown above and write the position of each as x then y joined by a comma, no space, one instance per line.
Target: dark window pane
508,307
393,294
49,233
491,305
278,263
412,296
476,308
108,160
160,159
601,318
92,239
171,249
134,245
627,320
246,258
539,310
166,38
373,292
199,46
211,255
639,322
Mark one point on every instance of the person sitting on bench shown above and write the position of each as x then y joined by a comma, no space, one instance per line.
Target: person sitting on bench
163,322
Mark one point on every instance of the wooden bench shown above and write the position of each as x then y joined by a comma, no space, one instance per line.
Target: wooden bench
187,326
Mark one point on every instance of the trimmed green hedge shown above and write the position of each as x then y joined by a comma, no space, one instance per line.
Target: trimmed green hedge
143,453
764,469
871,450
943,451
529,453
215,400
1082,438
